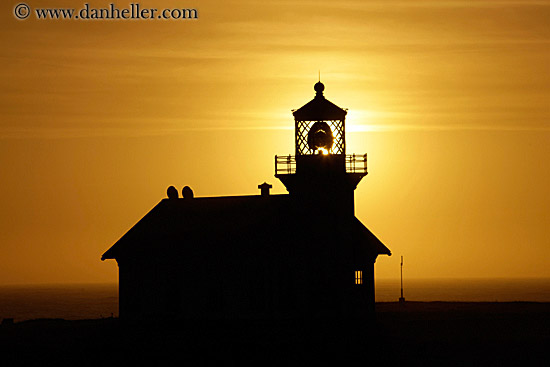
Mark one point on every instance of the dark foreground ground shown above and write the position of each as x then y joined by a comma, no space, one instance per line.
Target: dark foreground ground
419,334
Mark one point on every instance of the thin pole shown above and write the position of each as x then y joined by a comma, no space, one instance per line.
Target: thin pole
402,299
401,277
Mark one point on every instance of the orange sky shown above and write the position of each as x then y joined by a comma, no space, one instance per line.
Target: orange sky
450,99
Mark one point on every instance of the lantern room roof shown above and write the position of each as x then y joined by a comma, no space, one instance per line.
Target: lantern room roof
319,108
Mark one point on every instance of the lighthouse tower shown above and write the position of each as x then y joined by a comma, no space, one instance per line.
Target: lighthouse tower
321,173
321,179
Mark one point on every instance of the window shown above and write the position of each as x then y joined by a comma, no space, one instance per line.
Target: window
358,277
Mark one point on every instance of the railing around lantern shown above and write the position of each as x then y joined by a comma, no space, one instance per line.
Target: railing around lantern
286,164
356,163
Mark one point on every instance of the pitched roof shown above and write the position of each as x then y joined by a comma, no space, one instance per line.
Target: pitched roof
366,236
232,221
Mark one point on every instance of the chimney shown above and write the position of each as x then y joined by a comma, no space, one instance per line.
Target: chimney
264,189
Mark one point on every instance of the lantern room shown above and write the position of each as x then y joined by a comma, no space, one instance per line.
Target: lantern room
320,165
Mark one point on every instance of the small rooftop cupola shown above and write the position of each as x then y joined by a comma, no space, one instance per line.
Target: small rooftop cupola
320,167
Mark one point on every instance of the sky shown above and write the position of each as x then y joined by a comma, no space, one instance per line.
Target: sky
449,99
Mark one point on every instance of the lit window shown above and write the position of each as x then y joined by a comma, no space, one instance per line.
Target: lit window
358,277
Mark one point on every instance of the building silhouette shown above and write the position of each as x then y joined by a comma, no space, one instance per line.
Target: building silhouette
299,255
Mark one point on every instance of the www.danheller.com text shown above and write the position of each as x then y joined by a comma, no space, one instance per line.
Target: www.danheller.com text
134,11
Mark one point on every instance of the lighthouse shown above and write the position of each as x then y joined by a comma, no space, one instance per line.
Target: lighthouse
297,255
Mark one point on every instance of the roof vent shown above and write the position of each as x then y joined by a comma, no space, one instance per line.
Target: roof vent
264,188
172,192
187,193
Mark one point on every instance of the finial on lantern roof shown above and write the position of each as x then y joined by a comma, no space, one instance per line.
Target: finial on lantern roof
319,88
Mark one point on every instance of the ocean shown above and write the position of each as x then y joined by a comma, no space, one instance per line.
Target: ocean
465,290
92,301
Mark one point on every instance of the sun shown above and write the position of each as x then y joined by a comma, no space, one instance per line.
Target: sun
323,151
